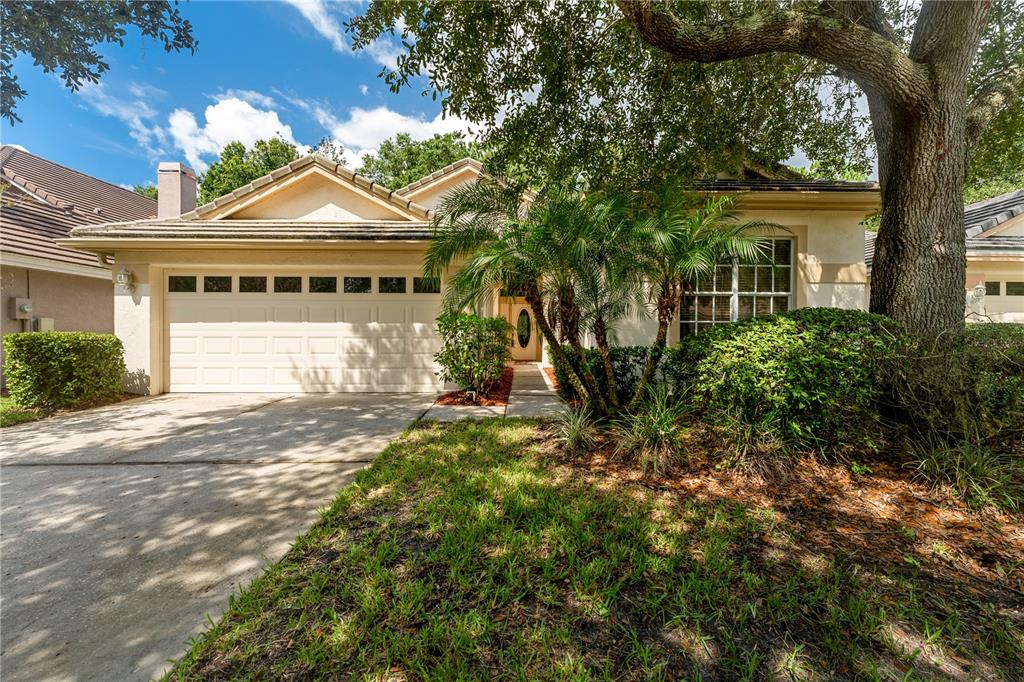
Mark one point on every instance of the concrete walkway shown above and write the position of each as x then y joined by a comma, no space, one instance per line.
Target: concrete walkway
533,395
123,527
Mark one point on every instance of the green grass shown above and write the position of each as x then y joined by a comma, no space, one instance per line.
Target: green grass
470,551
11,413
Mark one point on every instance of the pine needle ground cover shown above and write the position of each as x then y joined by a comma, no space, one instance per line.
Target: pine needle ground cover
479,550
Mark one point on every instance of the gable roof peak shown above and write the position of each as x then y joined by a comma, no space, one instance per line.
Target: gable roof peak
300,164
442,172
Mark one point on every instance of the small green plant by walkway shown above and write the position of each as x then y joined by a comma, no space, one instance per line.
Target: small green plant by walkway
481,550
12,413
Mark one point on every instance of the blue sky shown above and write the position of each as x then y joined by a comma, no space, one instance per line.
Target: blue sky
261,68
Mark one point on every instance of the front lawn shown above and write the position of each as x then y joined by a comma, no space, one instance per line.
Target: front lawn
12,413
479,550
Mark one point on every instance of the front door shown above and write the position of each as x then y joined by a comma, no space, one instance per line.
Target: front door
525,335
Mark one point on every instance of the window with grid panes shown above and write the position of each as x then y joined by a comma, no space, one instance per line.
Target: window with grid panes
740,289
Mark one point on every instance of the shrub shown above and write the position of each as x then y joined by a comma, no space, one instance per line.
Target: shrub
574,427
474,350
63,369
808,375
627,362
653,434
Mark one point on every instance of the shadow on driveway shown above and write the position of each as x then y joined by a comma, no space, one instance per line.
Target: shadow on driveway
122,528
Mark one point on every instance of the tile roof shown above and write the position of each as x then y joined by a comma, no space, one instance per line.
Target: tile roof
436,175
391,196
784,186
45,200
983,216
176,228
980,219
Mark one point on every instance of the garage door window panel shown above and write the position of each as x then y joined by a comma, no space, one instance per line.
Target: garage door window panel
426,285
323,285
391,285
287,285
252,284
358,285
217,284
181,284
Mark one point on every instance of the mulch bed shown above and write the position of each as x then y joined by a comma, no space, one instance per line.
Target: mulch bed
550,371
496,397
888,519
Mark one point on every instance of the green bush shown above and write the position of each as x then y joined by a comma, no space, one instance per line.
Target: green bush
961,387
653,434
474,350
808,375
63,369
627,361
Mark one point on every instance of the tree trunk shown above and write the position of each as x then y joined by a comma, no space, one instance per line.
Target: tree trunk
919,269
668,303
536,304
601,339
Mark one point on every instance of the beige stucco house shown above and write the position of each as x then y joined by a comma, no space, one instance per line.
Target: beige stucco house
44,285
994,290
309,279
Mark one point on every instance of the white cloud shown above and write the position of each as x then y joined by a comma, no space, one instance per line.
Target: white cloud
230,119
365,89
133,110
318,14
363,130
257,99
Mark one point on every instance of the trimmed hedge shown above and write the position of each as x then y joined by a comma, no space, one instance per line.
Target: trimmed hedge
63,369
627,361
474,350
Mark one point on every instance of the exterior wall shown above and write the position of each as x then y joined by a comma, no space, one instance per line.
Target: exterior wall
1000,308
76,303
431,195
139,315
319,198
829,272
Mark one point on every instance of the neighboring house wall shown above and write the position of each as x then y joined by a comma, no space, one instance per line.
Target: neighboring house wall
1005,276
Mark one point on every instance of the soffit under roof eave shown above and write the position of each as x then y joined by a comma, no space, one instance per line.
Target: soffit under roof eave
107,246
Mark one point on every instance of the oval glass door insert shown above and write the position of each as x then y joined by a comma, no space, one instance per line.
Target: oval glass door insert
523,328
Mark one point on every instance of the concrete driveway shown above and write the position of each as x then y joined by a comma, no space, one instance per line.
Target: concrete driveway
122,528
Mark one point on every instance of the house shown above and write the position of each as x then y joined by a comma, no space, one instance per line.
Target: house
45,285
308,279
995,258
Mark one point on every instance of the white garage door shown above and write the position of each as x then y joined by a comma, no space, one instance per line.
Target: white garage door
300,332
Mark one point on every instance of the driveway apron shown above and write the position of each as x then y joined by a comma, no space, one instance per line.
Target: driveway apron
123,528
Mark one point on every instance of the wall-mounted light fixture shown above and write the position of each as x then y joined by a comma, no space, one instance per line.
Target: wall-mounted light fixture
125,280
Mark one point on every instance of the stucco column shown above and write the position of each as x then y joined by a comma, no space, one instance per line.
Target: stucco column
133,325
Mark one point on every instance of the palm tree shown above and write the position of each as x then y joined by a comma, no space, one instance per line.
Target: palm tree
501,242
676,243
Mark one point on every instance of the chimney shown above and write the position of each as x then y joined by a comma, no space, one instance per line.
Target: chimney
176,190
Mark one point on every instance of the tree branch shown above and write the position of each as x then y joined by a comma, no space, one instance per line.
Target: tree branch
1002,91
867,13
947,33
869,58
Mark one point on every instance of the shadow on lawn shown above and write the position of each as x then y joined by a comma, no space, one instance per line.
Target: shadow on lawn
472,551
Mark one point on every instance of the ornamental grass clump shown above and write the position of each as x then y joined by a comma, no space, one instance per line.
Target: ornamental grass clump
653,435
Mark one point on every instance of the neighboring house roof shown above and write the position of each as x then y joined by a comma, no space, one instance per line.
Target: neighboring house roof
284,173
45,200
983,221
986,217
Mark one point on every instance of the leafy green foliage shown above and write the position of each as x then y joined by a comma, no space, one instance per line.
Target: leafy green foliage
569,90
977,473
238,166
63,369
62,36
474,350
965,387
808,375
148,190
575,429
627,362
401,160
652,435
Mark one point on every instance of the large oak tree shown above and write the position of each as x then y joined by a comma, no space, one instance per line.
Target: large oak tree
626,91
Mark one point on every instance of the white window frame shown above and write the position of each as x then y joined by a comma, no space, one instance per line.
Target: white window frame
734,294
